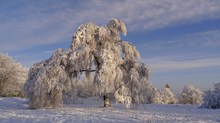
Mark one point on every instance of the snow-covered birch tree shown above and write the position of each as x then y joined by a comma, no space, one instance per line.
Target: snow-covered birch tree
96,52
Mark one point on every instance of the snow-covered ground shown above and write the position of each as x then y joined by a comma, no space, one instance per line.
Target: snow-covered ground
15,110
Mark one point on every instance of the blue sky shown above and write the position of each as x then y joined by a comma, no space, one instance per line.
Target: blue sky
178,39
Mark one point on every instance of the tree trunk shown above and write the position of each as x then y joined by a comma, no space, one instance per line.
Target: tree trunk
106,101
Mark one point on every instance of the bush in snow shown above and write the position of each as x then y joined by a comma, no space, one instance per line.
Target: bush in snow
12,77
190,95
122,95
149,94
211,98
168,96
93,49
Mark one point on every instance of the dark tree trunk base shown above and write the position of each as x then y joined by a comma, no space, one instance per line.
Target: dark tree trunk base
106,101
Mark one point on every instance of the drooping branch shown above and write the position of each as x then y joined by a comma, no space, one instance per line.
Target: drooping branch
87,70
114,61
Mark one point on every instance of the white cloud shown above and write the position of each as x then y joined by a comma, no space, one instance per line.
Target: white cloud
151,14
163,65
45,22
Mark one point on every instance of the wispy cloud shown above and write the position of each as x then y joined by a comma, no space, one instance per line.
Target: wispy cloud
25,24
151,14
192,51
205,39
165,65
194,44
201,39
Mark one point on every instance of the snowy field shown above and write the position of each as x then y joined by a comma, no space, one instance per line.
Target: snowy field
15,110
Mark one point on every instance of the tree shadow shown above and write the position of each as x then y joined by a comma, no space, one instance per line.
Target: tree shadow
10,103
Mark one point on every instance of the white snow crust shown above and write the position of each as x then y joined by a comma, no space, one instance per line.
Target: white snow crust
15,110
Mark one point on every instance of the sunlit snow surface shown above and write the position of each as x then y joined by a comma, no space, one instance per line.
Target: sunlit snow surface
15,110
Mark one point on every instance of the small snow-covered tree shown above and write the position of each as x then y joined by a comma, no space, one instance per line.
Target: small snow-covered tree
191,95
12,76
168,96
97,49
211,98
150,94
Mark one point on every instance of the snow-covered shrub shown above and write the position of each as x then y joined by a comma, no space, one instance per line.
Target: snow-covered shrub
93,49
150,94
12,77
168,96
122,95
191,95
211,98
